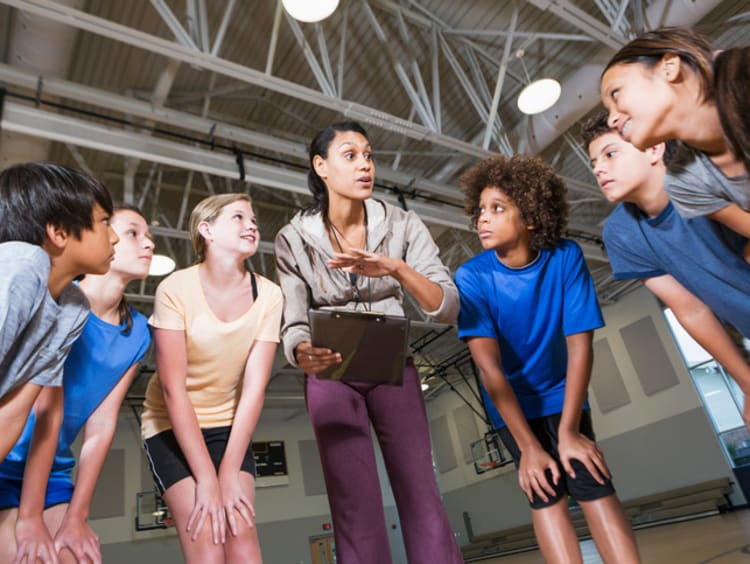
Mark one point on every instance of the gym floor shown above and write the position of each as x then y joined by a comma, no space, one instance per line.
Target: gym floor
719,539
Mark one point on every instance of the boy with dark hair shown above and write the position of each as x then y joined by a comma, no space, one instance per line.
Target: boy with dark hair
695,266
54,226
528,312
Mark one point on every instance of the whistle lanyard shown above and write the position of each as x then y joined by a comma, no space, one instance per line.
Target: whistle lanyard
351,276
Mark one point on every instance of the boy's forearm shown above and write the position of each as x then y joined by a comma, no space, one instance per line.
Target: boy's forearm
15,407
504,398
709,333
486,354
48,418
702,325
258,370
90,463
578,376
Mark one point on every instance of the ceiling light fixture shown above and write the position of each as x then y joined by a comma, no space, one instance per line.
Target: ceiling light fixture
161,265
538,96
310,10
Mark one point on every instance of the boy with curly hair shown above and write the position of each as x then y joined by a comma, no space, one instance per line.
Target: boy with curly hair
528,312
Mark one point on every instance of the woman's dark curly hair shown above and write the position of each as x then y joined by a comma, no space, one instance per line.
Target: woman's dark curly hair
531,184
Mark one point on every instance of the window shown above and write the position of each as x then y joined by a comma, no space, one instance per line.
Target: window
720,394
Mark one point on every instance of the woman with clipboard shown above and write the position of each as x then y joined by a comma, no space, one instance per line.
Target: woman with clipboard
348,250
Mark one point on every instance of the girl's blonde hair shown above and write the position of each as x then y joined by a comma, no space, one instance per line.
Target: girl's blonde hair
208,210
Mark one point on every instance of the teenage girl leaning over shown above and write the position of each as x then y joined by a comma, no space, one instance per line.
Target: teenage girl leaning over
216,327
98,372
671,84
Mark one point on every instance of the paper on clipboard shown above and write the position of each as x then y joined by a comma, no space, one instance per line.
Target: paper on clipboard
373,345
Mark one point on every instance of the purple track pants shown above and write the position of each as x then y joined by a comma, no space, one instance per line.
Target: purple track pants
341,415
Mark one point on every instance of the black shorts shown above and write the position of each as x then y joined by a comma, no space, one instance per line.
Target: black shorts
581,488
168,464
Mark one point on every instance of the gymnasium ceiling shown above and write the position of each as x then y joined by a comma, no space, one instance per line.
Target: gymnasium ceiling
162,99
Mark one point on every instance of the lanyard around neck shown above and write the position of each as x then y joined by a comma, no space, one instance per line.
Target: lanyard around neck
351,276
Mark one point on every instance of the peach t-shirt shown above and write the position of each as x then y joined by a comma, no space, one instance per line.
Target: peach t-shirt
216,350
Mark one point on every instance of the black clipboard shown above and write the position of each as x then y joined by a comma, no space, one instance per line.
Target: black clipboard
373,346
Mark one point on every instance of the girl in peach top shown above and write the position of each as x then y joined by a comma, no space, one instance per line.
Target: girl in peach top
216,327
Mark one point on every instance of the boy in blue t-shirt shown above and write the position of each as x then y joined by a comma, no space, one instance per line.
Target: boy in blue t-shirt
54,226
695,266
528,311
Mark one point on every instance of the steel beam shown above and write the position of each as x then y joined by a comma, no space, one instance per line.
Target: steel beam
436,104
174,25
274,37
421,105
342,51
325,86
500,80
499,33
583,21
199,125
219,39
65,129
325,58
151,43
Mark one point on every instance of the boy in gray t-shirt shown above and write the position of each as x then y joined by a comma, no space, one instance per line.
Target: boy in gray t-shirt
54,227
36,331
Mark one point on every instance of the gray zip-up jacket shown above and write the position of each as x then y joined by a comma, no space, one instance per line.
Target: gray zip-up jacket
302,249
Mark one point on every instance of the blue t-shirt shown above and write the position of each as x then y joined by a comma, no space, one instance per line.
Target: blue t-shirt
97,361
701,254
530,311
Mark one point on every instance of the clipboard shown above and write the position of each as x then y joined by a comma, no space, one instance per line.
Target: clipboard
373,346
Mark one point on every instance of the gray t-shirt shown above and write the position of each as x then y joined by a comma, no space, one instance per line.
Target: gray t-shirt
36,332
697,187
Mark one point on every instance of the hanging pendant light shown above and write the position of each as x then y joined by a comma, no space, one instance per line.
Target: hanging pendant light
539,96
310,10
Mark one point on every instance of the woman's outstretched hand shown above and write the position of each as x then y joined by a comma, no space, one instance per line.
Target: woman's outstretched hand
358,261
